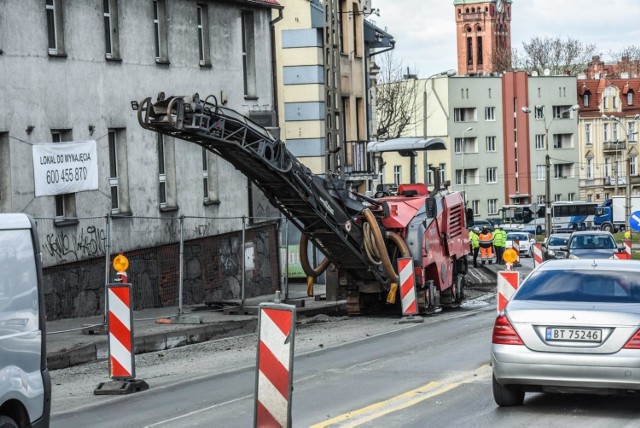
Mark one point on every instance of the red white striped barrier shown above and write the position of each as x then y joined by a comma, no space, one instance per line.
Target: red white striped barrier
407,286
626,255
121,347
508,282
276,328
537,254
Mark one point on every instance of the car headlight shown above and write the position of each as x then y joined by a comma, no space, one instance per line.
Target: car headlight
573,257
551,253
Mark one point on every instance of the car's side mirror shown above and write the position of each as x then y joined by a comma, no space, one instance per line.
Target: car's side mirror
565,248
621,248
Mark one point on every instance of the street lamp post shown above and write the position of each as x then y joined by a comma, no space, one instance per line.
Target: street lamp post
463,175
628,134
448,73
547,161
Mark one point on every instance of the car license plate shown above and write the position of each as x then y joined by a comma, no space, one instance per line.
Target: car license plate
574,334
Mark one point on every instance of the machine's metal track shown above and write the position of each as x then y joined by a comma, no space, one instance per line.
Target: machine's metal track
320,207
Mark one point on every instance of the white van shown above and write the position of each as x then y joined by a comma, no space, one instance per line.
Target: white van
25,386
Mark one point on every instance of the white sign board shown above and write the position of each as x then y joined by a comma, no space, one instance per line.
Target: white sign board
60,168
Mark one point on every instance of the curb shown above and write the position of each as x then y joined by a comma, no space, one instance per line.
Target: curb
155,342
196,333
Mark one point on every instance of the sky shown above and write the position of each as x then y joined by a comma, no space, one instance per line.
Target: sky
424,30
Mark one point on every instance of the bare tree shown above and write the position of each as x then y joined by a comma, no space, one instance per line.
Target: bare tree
396,95
628,60
569,56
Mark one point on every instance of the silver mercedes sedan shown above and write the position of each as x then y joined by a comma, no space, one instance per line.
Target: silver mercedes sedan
572,326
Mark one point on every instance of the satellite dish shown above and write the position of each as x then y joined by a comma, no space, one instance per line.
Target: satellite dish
547,72
534,73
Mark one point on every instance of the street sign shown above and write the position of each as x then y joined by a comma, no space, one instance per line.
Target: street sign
634,221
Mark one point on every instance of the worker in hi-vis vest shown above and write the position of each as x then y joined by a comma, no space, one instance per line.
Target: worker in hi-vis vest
486,245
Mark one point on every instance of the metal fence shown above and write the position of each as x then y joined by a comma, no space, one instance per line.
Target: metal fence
174,261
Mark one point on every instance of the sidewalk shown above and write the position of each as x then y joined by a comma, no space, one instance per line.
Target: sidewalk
81,340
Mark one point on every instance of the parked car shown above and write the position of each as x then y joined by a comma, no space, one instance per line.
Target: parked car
552,247
480,223
572,326
592,244
525,241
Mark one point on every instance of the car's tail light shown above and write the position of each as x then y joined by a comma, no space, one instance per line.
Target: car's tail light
504,333
634,342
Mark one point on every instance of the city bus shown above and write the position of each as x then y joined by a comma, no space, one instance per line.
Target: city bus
526,217
567,216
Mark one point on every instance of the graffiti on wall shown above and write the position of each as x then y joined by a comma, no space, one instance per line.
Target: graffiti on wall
90,241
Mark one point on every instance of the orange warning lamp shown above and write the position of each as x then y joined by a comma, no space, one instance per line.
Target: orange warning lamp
120,263
510,255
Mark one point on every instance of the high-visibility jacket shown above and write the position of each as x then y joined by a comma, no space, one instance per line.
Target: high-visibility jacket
486,239
475,241
499,238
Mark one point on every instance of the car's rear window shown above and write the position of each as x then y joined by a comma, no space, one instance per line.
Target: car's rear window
581,286
557,240
593,242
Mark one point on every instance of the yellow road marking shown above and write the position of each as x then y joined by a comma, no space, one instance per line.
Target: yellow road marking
404,400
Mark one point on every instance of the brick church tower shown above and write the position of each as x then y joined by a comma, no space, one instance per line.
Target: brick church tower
483,29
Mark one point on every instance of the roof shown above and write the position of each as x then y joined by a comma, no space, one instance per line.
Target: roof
406,144
262,2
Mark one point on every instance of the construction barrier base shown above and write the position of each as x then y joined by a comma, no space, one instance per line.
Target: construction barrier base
415,319
121,387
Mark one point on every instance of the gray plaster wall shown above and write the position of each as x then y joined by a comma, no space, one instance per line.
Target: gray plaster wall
83,89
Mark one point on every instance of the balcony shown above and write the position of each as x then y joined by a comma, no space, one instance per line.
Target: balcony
614,146
357,160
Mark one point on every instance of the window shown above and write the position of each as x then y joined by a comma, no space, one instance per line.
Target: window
490,144
479,48
630,98
118,175
469,52
489,113
430,175
539,141
65,204
5,173
562,141
540,169
607,167
589,168
248,55
443,171
160,31
492,175
557,197
397,174
459,176
615,102
587,133
459,145
464,114
540,199
633,165
492,206
614,129
632,131
202,15
167,192
605,130
562,112
475,206
571,196
210,177
585,99
111,32
55,31
162,175
538,112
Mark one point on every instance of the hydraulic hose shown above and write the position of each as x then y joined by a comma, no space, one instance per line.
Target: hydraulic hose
311,273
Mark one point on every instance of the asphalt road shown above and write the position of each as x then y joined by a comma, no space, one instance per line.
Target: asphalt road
413,375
